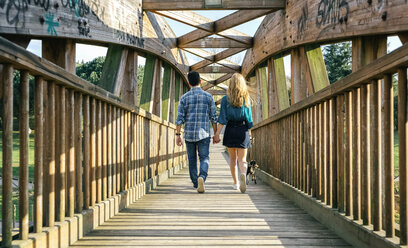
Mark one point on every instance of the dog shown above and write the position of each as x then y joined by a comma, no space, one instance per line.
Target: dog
251,171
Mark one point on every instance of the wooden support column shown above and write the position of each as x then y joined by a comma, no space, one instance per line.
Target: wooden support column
177,94
272,89
172,109
280,78
78,158
24,138
403,37
60,154
87,149
114,69
263,83
258,111
70,154
403,148
317,67
147,86
157,90
165,95
298,75
7,163
129,85
60,52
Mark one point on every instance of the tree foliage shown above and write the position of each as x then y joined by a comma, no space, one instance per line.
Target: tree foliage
337,58
91,71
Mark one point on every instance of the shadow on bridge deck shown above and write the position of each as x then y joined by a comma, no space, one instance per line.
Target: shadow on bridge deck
175,215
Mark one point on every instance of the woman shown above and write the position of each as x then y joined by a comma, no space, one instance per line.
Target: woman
235,113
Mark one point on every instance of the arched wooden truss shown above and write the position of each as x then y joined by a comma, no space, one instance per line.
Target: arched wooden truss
317,139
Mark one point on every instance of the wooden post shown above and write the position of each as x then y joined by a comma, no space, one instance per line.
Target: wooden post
24,138
356,154
263,83
78,152
114,69
147,86
349,153
110,150
105,152
172,109
389,155
87,149
49,169
71,155
114,149
156,108
375,152
340,153
403,148
165,95
60,52
60,147
38,155
129,85
7,166
365,154
280,77
98,151
93,150
298,75
317,67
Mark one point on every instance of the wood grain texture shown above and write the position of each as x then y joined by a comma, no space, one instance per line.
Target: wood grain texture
208,5
220,217
305,22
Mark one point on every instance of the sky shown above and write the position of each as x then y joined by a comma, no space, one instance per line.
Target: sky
85,53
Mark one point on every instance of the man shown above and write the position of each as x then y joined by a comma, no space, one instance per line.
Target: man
196,109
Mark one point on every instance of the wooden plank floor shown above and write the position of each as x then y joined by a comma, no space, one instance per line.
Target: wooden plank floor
175,215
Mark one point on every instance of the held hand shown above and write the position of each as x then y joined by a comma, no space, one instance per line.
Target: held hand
216,139
179,142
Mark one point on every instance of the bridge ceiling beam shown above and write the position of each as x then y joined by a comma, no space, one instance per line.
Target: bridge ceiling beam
211,42
212,5
217,92
225,24
217,81
218,69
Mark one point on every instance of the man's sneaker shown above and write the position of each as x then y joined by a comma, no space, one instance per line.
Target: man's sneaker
235,186
242,183
201,188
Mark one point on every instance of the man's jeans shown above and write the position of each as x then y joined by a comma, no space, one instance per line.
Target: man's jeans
203,147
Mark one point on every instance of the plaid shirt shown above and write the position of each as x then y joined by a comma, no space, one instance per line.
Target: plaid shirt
196,109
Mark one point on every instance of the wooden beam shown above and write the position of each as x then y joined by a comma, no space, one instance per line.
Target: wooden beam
298,75
225,24
177,94
156,108
217,69
211,42
189,18
200,53
281,86
129,85
215,58
273,91
147,85
217,81
172,109
317,67
403,37
113,69
166,87
204,5
263,83
60,52
217,92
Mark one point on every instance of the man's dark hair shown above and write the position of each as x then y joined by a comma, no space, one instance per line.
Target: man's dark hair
193,78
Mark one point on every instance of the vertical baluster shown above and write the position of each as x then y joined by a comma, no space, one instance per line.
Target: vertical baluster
322,151
356,154
49,167
99,151
71,154
87,152
317,151
375,151
333,152
78,152
403,152
325,188
24,137
315,155
115,151
38,155
365,154
110,150
340,153
349,153
389,155
61,153
93,159
105,152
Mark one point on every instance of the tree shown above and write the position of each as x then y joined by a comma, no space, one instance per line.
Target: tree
337,58
91,71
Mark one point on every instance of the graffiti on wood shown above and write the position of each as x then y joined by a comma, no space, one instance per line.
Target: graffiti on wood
331,12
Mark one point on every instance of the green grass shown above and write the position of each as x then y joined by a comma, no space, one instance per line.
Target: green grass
16,154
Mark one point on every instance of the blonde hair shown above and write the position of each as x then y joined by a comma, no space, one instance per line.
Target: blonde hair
237,91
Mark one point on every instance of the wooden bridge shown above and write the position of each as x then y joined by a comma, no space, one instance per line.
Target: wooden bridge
106,168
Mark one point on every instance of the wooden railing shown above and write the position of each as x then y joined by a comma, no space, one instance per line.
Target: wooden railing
329,145
89,146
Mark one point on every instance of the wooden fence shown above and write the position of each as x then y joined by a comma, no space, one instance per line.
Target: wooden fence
89,146
337,145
